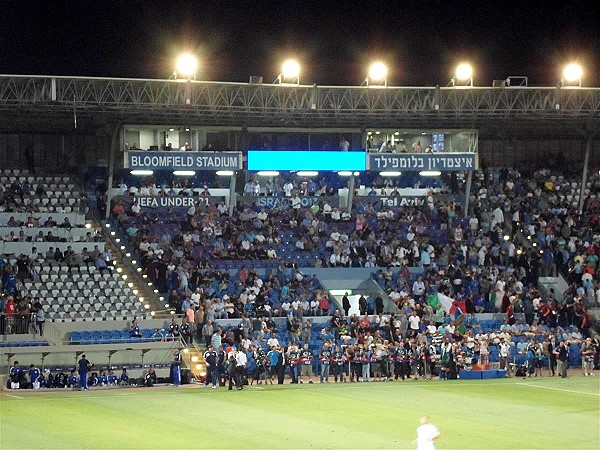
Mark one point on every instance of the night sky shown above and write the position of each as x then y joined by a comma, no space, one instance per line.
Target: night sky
334,40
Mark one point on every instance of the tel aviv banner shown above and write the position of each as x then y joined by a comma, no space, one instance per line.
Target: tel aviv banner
147,160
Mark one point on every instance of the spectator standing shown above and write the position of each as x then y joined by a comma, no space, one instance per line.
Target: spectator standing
40,318
176,368
562,356
325,357
83,367
210,357
346,304
207,332
551,348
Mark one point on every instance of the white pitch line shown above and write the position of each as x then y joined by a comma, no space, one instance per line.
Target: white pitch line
558,389
15,396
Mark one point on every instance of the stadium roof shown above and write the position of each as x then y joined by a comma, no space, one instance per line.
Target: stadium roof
47,102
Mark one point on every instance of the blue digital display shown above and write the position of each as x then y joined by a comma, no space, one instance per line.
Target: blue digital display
306,160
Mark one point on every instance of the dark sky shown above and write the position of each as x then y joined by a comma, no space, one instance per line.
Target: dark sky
335,40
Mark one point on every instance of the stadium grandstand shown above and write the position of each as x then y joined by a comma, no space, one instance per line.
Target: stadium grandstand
328,233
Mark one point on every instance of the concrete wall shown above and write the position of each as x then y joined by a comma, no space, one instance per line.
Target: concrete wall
67,355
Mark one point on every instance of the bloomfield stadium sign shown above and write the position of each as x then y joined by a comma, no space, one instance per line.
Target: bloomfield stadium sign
147,160
423,161
300,160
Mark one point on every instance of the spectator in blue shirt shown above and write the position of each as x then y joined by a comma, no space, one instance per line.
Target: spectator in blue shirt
15,374
34,374
111,378
101,264
83,366
124,378
102,379
72,380
158,335
134,331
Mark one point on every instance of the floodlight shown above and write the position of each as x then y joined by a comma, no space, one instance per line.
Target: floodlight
268,173
430,173
290,72
463,72
390,174
224,173
572,74
463,75
377,74
290,69
186,66
184,173
307,173
141,172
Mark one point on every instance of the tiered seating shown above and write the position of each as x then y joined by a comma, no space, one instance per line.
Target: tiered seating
34,209
82,293
110,337
40,193
24,344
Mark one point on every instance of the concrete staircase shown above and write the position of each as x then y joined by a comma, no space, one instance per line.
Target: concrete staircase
193,359
558,284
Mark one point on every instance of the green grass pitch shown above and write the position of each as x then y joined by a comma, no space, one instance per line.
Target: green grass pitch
549,413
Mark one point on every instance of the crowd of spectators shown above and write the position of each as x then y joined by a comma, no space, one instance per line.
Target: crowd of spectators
401,346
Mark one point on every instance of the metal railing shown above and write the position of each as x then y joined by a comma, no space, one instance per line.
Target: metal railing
20,323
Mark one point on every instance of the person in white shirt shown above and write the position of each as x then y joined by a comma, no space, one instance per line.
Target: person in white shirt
296,204
427,433
498,215
272,341
418,287
344,144
135,208
414,321
196,296
474,224
240,368
504,351
288,188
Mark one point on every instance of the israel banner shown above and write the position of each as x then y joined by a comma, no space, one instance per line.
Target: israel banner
285,202
444,162
149,160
